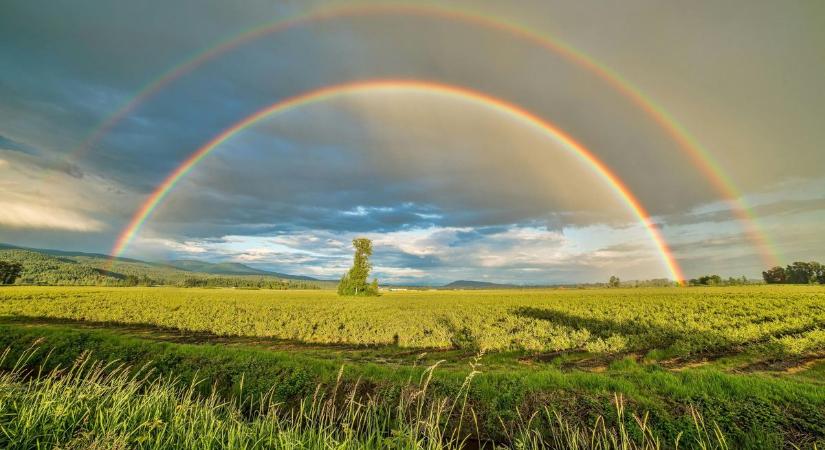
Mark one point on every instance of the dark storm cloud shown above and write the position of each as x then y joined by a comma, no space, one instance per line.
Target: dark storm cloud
256,217
11,144
140,150
82,61
32,155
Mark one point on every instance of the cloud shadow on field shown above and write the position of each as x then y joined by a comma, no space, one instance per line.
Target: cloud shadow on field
175,335
677,342
640,337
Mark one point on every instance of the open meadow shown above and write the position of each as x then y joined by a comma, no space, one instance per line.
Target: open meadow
748,362
412,224
787,321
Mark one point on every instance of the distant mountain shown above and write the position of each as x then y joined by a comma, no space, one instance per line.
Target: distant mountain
58,267
194,265
70,254
470,284
230,268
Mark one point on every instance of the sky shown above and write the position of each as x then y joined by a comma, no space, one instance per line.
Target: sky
446,186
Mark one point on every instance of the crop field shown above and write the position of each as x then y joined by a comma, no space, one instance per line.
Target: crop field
746,362
786,320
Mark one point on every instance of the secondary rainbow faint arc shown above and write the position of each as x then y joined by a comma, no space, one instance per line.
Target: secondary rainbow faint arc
698,154
373,86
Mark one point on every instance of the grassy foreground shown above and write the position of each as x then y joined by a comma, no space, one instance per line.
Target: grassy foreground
92,405
753,411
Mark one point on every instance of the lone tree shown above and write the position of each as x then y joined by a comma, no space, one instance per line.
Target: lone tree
9,272
354,282
614,282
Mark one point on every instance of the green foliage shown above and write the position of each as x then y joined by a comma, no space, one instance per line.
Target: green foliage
707,280
797,273
753,410
656,282
247,282
775,275
95,405
716,280
79,270
38,268
681,321
9,272
354,282
805,273
614,282
744,406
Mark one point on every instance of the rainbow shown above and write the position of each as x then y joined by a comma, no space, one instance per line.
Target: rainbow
377,86
700,156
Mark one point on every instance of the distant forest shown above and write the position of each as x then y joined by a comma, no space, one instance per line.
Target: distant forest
87,270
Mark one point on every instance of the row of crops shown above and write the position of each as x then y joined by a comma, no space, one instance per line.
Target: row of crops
782,319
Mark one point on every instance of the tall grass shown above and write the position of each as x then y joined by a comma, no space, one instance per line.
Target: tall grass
93,405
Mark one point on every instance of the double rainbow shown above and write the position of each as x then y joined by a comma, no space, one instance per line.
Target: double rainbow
702,159
377,86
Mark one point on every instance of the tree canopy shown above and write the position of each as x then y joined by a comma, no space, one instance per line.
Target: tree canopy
797,273
9,272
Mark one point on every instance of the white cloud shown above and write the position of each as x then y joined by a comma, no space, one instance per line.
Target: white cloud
154,244
37,194
24,214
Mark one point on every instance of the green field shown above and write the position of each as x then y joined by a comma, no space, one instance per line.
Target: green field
748,360
677,322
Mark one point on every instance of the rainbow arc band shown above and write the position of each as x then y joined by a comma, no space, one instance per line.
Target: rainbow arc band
700,156
378,86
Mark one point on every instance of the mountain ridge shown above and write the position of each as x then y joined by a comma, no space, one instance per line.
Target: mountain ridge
231,268
101,263
473,284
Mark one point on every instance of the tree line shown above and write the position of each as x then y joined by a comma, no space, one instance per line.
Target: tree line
797,273
705,280
248,283
716,280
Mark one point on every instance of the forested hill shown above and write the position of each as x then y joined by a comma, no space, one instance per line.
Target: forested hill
54,267
230,268
470,284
